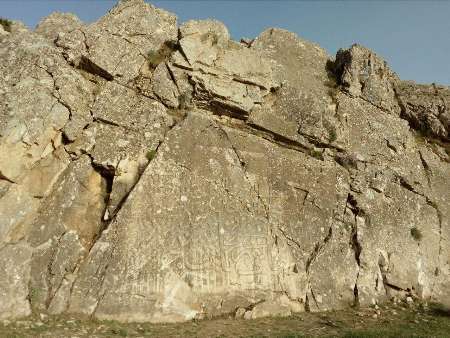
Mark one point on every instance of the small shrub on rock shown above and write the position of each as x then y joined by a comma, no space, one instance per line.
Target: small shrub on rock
155,57
317,154
332,135
6,24
150,155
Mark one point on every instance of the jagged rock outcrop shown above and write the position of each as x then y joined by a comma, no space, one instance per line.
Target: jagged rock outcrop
150,172
58,23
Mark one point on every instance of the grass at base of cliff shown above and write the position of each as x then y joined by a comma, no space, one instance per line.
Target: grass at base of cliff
398,320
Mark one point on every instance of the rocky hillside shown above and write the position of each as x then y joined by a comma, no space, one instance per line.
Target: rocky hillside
156,172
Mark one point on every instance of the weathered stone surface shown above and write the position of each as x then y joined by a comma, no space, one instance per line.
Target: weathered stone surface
123,144
184,283
31,150
426,108
149,173
21,202
224,76
60,239
117,45
163,86
15,263
302,110
364,74
57,23
279,307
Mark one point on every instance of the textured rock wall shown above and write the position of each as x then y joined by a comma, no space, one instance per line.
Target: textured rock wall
150,172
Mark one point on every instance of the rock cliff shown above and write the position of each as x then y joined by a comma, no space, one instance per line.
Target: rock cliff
155,172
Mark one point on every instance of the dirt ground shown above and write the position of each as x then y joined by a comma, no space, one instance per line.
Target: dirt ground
399,320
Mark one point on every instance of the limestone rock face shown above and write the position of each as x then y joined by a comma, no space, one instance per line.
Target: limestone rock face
150,172
15,261
303,108
426,108
117,45
57,23
364,74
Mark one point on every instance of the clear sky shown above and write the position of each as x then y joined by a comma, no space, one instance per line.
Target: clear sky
413,36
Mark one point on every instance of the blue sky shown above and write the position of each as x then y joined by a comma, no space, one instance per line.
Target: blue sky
413,36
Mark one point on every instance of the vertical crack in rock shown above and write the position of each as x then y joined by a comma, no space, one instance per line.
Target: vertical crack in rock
55,93
351,205
318,248
383,266
101,293
48,276
426,167
172,77
244,170
54,291
122,202
308,301
441,249
108,175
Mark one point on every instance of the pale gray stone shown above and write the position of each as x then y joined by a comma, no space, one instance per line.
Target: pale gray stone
14,292
156,174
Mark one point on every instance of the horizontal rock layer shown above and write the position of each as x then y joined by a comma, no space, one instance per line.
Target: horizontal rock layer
150,172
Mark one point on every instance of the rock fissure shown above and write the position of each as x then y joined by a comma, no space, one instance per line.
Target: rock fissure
242,165
352,206
426,168
90,67
314,299
317,250
4,178
48,277
55,93
101,293
289,238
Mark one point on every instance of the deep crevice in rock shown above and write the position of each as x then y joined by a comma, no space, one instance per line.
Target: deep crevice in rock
426,168
4,178
88,66
318,248
278,139
111,123
118,208
352,205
